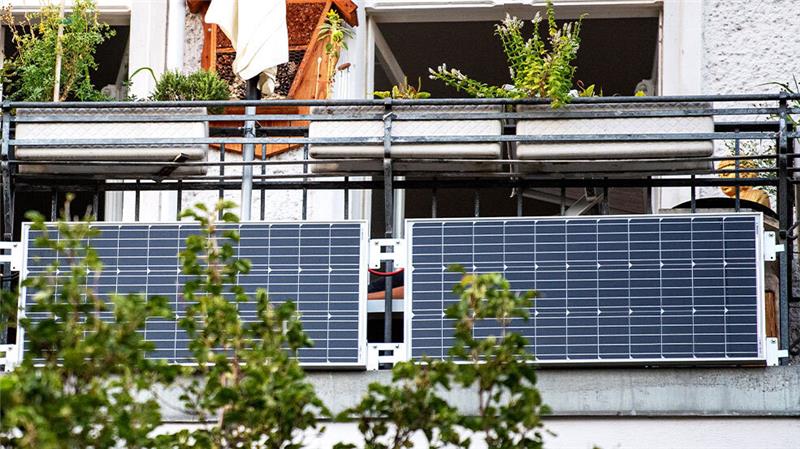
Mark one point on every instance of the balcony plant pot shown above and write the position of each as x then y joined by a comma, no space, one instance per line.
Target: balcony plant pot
407,157
85,127
616,157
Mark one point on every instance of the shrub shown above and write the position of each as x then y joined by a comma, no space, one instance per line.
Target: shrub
30,74
202,85
84,381
539,66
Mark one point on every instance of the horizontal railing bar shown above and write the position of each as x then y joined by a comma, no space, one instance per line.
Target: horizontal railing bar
361,141
433,101
517,182
398,115
300,162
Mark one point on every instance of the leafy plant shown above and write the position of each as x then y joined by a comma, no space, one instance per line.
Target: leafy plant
539,66
792,88
592,91
497,369
30,75
248,385
500,369
404,91
84,381
335,33
390,415
203,85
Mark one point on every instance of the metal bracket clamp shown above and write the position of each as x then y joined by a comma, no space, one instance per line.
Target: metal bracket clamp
381,250
384,355
8,358
774,355
12,254
771,249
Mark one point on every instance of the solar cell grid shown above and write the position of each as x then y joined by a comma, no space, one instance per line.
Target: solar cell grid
640,288
319,266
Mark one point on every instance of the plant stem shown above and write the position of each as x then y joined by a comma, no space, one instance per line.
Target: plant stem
59,52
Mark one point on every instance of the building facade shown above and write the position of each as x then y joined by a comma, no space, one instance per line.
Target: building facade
666,47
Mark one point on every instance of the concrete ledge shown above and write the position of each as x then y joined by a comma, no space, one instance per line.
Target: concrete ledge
732,392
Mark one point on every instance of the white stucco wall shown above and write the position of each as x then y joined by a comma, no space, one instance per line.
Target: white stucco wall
748,43
616,433
742,46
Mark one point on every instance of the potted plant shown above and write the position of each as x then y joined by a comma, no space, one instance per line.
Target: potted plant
542,67
53,61
408,155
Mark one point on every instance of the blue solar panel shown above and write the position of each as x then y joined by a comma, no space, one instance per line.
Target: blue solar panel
319,266
668,288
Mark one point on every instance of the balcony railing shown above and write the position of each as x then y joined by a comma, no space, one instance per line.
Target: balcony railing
737,142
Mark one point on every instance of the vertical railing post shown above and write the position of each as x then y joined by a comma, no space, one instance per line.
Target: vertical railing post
737,165
263,200
248,151
221,178
8,201
304,202
784,221
388,214
6,154
346,198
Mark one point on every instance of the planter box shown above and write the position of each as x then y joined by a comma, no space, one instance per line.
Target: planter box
405,154
88,129
620,157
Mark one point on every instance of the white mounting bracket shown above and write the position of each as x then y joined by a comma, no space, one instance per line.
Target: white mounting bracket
384,355
381,250
774,355
771,249
8,357
13,254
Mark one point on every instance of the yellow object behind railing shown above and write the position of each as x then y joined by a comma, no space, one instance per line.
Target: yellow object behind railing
748,193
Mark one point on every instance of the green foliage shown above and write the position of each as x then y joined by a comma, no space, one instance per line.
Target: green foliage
390,415
335,32
30,74
509,404
248,381
792,88
590,90
499,371
404,91
84,380
539,66
202,85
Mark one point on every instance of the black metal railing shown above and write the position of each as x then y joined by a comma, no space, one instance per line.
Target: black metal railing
753,135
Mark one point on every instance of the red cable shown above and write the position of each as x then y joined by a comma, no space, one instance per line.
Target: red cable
384,273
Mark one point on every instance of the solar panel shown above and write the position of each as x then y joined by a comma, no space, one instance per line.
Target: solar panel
319,266
638,289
